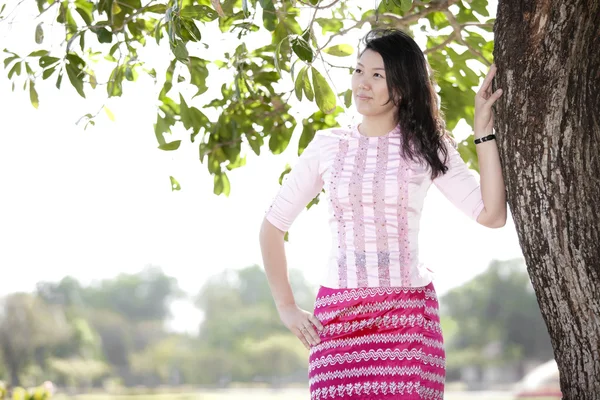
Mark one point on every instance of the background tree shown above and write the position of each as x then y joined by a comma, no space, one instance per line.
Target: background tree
241,323
497,310
28,328
549,143
113,322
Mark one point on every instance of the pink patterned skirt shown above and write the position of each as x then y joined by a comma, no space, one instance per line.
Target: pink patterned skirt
378,343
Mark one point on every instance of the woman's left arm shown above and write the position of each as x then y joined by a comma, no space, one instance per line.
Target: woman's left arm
493,190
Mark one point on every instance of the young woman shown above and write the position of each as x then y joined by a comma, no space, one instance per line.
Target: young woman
375,331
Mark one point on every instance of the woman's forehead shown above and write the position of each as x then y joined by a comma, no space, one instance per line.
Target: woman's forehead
370,59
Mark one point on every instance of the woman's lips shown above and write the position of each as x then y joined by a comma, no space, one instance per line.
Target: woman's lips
361,97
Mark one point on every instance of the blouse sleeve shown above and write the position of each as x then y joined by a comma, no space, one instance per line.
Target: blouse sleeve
459,185
299,187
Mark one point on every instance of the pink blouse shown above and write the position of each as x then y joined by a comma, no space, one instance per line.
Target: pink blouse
375,198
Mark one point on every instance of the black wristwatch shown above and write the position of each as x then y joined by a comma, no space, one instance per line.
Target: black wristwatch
485,139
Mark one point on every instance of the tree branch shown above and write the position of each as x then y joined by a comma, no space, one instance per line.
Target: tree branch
402,21
478,24
458,32
318,7
434,6
125,22
440,46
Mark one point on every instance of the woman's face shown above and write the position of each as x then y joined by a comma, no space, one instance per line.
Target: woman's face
369,86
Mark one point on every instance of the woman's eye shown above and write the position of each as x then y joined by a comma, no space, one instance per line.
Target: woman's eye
357,71
378,75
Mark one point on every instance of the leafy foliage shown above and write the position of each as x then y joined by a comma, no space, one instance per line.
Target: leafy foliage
273,39
496,319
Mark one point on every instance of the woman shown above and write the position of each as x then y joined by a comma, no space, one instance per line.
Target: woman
375,332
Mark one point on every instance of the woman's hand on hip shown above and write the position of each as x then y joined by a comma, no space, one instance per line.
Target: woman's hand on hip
302,324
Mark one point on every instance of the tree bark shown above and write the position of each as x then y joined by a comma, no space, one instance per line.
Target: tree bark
548,128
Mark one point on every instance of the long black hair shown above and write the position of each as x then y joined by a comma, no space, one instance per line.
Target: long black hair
411,89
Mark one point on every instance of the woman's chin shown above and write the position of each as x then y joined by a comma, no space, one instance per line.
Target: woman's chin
365,111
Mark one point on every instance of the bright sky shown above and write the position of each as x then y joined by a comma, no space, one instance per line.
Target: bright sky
96,203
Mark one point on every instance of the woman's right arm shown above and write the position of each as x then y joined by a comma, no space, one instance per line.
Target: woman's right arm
300,322
299,187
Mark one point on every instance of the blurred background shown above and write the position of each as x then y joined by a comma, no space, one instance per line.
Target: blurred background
116,285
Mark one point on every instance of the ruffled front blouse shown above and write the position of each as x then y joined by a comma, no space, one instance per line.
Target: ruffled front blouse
375,197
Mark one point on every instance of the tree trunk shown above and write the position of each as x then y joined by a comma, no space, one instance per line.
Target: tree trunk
12,362
548,128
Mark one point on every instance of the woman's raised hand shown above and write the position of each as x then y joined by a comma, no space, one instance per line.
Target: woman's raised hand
484,99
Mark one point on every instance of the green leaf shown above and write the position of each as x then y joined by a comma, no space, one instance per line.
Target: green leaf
480,7
129,75
307,88
299,84
85,9
282,44
174,184
174,145
340,50
191,117
468,153
8,60
92,78
269,15
115,9
348,98
157,8
255,141
405,5
325,97
104,35
114,87
199,12
59,79
158,32
76,77
192,32
198,72
438,20
308,133
221,184
109,114
33,95
39,33
46,61
302,49
180,51
465,15
16,69
38,53
48,72
330,24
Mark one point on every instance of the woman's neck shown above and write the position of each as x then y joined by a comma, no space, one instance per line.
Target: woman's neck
371,126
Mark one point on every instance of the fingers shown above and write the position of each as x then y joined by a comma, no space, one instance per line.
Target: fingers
315,321
493,98
487,82
307,333
311,335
